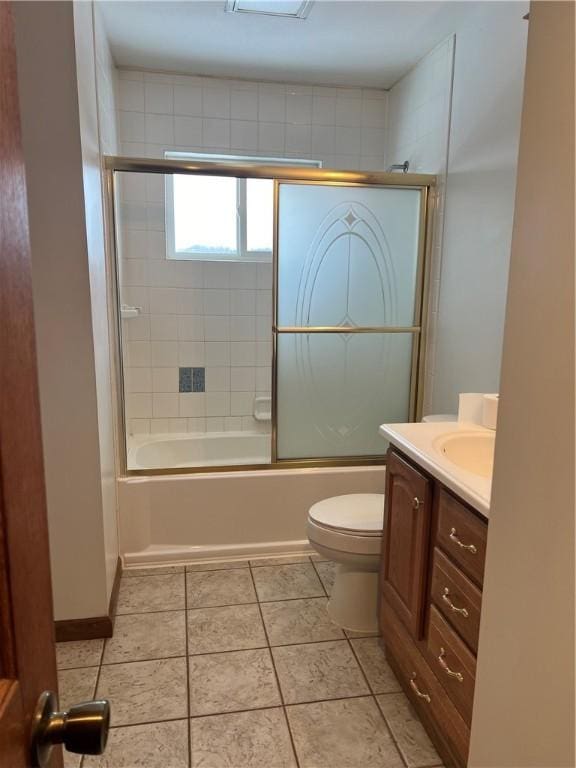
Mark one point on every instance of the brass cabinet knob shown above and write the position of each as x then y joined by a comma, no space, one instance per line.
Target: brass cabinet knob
416,503
82,729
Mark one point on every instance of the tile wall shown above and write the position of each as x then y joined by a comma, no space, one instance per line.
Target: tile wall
207,315
419,108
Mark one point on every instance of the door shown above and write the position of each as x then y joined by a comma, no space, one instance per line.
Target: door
405,542
27,656
348,315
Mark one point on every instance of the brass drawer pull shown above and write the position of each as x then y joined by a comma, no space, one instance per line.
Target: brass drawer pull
445,597
416,690
416,503
458,675
470,547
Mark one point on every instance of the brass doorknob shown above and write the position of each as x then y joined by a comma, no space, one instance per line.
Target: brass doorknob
82,729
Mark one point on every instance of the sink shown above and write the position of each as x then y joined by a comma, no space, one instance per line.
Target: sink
472,451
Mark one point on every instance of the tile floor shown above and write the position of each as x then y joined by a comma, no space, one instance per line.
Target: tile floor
237,665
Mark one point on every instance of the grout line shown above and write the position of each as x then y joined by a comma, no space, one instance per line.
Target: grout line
280,692
375,699
189,730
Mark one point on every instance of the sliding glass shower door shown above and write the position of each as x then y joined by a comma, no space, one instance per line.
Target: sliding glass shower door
348,315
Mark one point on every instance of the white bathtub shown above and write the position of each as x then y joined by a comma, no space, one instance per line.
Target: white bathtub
211,449
179,518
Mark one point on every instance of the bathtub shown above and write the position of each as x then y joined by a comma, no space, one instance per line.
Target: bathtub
210,449
181,518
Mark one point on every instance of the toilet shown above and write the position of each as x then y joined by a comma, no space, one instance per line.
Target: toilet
348,530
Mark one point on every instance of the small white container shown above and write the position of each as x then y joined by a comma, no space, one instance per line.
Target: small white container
490,411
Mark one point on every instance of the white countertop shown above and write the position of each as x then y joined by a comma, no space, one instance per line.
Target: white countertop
415,440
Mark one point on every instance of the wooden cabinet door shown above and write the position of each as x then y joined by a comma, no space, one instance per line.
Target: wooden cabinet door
405,542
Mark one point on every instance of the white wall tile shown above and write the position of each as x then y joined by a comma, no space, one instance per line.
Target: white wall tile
131,95
216,133
244,105
164,379
192,404
131,126
163,327
138,353
188,131
217,403
271,137
218,378
217,353
243,135
217,328
299,109
159,128
165,404
159,98
271,107
164,353
188,100
241,403
216,102
191,353
190,327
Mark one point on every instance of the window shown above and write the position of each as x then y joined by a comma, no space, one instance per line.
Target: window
221,218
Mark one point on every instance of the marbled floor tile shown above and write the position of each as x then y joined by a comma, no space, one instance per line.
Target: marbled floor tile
141,636
347,733
156,745
284,582
318,671
212,588
145,691
231,628
304,557
153,570
76,685
151,593
229,682
79,653
299,621
373,661
216,565
352,634
417,749
327,572
257,739
71,760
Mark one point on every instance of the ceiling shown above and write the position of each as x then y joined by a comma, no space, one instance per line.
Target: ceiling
363,42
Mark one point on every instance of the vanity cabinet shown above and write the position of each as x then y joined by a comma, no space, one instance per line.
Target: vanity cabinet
433,550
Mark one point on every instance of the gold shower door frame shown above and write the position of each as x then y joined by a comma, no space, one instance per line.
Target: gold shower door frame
425,183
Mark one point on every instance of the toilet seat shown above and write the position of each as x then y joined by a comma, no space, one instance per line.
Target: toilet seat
351,523
360,514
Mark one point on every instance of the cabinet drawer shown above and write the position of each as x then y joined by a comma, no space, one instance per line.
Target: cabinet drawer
425,692
462,536
452,663
456,598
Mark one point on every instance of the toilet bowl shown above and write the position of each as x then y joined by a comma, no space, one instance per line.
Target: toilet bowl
348,530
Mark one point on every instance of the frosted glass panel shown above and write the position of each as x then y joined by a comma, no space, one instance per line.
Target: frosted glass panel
334,390
347,255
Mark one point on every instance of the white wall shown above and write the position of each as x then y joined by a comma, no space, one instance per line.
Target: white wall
418,129
62,306
524,703
95,77
206,314
485,123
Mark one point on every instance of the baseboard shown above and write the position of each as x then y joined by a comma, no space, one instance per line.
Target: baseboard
93,627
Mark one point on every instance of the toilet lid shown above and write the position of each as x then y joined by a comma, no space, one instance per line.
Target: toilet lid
361,513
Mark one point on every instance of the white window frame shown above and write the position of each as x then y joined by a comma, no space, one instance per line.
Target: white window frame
242,254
